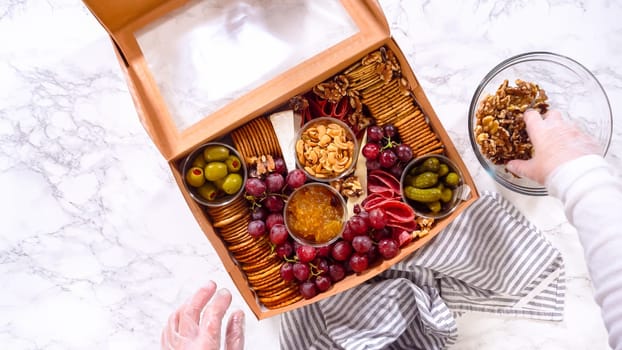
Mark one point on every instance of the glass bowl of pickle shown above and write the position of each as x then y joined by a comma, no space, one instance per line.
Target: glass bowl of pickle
315,214
432,185
214,174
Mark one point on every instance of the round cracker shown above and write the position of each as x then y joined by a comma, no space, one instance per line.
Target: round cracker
285,303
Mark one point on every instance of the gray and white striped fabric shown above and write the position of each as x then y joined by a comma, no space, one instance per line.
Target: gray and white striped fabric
490,259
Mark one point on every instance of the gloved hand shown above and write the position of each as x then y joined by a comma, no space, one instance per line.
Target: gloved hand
189,330
555,141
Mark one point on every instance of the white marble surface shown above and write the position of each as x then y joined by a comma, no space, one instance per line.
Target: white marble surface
97,246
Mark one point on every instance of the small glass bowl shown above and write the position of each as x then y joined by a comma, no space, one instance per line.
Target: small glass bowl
571,89
350,136
421,209
336,200
223,199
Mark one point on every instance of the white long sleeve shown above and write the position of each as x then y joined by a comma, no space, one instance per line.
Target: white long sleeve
592,197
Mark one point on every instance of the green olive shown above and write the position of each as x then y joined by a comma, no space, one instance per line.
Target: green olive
195,177
232,183
216,153
233,164
208,191
452,179
199,161
215,171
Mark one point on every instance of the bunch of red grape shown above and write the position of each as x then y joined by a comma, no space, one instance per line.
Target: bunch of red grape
383,150
365,240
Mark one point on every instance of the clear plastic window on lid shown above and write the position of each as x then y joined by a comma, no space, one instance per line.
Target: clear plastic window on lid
209,53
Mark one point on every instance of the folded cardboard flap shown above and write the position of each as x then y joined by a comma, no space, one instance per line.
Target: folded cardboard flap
123,19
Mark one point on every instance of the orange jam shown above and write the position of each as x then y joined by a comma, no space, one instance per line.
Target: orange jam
314,213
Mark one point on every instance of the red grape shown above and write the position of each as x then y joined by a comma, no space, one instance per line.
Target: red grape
375,133
274,182
305,253
372,164
301,271
362,244
255,187
385,232
324,251
388,248
378,218
359,262
371,150
278,234
321,265
273,203
404,152
256,228
308,290
342,251
372,254
273,219
347,233
397,170
259,213
285,250
287,271
336,272
358,225
279,165
296,178
387,158
390,130
322,283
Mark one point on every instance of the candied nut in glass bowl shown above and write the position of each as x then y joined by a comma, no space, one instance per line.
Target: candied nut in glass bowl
315,214
538,80
214,174
326,149
432,185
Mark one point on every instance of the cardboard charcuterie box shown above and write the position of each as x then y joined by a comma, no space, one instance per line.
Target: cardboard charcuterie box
203,71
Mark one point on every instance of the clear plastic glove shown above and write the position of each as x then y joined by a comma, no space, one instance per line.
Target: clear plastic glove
555,141
197,324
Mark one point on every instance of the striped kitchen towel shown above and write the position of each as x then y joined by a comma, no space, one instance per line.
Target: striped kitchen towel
490,259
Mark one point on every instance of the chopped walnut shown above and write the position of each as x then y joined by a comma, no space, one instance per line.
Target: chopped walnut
349,187
262,165
425,225
500,130
333,90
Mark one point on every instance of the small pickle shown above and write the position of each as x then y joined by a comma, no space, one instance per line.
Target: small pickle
427,195
233,164
215,171
434,207
409,180
446,195
232,183
443,169
430,164
208,191
426,180
452,179
216,153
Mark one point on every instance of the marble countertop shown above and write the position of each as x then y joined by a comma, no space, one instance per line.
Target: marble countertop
97,246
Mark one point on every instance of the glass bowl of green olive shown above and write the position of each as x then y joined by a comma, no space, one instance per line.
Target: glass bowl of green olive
214,174
432,185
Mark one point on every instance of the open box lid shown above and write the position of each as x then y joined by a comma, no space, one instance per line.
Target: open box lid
198,69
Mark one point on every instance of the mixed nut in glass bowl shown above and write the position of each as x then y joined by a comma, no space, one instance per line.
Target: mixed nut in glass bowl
542,81
214,174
